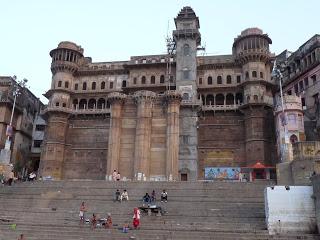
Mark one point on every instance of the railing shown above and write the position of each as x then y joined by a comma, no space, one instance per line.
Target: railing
75,111
220,107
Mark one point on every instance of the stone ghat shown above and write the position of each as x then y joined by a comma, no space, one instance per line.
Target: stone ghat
195,210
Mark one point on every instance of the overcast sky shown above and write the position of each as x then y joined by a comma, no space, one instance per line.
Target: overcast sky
115,30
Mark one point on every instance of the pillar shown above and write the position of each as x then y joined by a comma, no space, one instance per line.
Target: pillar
116,101
52,156
172,157
144,100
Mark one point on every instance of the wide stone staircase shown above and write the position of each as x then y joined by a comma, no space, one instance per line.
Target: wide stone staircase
49,210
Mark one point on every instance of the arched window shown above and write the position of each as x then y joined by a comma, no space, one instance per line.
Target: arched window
59,83
219,80
254,74
75,103
135,80
103,85
84,86
200,81
229,99
219,99
93,86
143,80
261,75
76,86
111,85
229,79
239,98
247,75
91,103
124,83
209,80
293,138
66,85
210,99
108,104
186,50
82,104
162,79
101,103
153,80
255,98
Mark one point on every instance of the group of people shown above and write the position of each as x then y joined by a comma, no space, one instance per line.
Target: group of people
121,196
107,222
11,178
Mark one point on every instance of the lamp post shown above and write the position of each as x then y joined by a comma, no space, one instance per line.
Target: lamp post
276,73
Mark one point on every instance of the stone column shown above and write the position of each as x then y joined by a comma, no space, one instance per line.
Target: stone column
52,155
172,158
144,100
116,101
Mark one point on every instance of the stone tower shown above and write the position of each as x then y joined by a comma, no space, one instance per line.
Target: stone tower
251,51
65,62
187,38
290,127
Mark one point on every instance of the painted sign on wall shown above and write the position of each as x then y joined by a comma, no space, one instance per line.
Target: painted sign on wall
221,173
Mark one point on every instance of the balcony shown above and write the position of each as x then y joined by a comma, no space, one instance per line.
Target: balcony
75,111
214,108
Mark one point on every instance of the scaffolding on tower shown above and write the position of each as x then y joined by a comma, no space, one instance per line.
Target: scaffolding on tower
171,51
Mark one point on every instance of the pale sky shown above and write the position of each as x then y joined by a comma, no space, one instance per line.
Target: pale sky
117,29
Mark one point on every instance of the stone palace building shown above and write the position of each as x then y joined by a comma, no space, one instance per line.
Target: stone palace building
161,117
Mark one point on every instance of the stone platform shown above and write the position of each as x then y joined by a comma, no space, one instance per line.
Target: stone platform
195,210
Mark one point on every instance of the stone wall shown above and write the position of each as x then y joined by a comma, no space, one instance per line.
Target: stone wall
316,194
290,209
221,141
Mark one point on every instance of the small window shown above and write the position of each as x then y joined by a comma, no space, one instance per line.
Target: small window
93,86
64,105
162,79
254,74
303,101
314,79
124,83
200,81
229,79
219,80
296,88
301,86
238,79
76,86
111,85
186,50
247,75
103,85
209,80
66,85
134,80
57,104
186,74
59,83
306,82
40,127
289,92
84,86
261,75
37,143
153,80
143,80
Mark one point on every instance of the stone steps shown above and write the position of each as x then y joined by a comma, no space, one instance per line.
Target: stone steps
197,210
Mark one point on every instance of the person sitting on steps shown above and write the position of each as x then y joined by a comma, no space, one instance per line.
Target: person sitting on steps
153,196
164,196
93,221
124,195
146,199
117,196
108,222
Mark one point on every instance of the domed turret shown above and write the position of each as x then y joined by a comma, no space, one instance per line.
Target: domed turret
251,45
66,57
